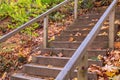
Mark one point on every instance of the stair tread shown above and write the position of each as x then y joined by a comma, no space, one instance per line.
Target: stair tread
72,41
74,49
68,52
26,76
42,66
42,70
52,57
76,44
60,61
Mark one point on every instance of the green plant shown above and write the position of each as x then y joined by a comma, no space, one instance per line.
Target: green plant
87,4
57,16
20,11
106,2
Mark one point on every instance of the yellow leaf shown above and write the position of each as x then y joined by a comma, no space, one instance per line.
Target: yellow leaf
4,75
110,74
51,78
51,39
75,79
50,66
100,57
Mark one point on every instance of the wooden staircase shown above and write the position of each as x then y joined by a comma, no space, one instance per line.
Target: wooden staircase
48,67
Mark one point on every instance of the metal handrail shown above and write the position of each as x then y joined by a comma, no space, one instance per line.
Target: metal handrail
80,52
15,31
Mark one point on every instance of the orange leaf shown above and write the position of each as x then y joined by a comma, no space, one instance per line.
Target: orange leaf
71,39
4,75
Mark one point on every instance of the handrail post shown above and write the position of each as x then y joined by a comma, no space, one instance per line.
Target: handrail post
45,38
111,28
82,68
75,9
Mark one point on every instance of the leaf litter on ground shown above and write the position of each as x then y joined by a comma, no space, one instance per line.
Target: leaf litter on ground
111,68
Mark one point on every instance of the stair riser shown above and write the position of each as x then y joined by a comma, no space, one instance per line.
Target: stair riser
81,33
91,76
44,72
94,15
90,16
66,53
69,53
16,78
84,26
78,22
53,74
50,61
58,62
94,54
79,38
102,45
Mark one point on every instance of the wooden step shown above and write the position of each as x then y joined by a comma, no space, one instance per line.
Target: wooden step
85,26
76,44
90,16
59,61
24,76
80,38
69,52
97,15
50,60
80,32
89,21
40,70
92,76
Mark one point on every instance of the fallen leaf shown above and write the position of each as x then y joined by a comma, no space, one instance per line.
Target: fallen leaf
110,74
46,54
4,75
78,34
71,39
51,39
100,57
51,78
30,59
75,79
50,66
60,54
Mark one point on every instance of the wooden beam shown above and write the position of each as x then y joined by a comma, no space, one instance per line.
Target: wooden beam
45,38
111,28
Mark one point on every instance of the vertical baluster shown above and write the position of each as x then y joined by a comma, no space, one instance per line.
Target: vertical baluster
45,42
75,9
111,28
82,68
